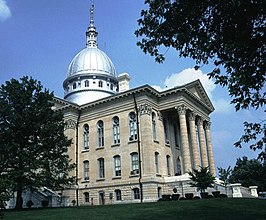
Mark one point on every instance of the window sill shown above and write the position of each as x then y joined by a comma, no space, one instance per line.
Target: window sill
116,177
134,175
99,148
167,145
159,175
133,141
85,181
85,150
155,141
100,179
115,145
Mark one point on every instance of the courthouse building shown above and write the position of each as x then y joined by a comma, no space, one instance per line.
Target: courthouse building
130,144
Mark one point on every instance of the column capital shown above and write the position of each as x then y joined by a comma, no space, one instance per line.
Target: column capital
70,124
207,124
159,115
191,116
181,109
199,121
145,109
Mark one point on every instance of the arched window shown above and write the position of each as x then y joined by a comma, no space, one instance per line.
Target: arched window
136,193
134,163
100,84
86,197
159,192
154,129
178,167
168,165
133,126
112,87
86,170
116,130
117,165
157,162
100,128
118,194
86,136
74,85
101,168
87,83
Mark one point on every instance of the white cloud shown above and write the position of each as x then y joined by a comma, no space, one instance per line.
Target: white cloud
222,106
188,75
5,12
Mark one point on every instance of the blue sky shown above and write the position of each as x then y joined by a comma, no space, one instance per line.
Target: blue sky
39,38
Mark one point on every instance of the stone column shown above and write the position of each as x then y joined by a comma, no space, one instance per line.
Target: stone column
207,127
145,126
203,151
184,138
194,143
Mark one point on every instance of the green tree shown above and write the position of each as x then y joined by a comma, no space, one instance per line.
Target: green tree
224,175
202,178
229,34
249,173
33,146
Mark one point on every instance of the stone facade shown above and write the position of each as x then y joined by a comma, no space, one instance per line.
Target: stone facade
164,133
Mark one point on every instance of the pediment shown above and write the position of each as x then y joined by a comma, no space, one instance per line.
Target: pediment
197,89
60,104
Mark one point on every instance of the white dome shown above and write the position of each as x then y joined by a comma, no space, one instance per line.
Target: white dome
91,60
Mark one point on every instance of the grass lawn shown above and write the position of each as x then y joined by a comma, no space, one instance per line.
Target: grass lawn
215,209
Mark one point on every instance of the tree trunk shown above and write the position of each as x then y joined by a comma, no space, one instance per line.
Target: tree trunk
19,200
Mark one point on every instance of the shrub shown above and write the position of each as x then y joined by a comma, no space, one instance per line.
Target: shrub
196,197
209,197
203,195
45,203
216,194
29,204
189,196
73,202
167,197
162,200
182,198
175,196
222,196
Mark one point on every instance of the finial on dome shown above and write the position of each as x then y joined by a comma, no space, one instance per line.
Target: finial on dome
91,33
92,14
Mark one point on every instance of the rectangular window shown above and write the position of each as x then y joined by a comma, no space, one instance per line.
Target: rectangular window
118,195
135,163
117,163
101,167
136,193
86,170
168,165
157,162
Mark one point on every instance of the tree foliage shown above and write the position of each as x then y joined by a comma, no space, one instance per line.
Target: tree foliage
249,173
202,179
224,174
229,34
33,150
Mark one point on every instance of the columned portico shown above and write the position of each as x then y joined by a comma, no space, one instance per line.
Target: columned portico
193,135
202,143
207,126
184,138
